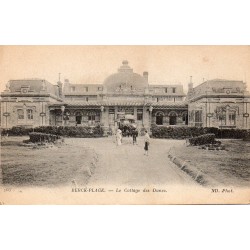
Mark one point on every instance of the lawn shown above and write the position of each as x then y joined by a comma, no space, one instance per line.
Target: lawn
47,167
225,167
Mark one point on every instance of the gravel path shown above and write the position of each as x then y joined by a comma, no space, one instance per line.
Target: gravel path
127,164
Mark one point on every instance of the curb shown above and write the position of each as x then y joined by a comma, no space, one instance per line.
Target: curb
196,174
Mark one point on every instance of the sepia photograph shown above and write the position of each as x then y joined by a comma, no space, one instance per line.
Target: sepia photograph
125,124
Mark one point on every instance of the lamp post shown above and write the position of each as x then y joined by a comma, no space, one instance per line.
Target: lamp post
62,109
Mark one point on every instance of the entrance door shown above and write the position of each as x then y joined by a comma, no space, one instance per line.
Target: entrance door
78,119
172,120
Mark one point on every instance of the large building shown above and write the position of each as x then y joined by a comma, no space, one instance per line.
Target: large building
124,97
219,103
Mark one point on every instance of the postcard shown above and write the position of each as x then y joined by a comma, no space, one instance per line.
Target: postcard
125,125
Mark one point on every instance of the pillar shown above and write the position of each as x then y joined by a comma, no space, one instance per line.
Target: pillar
145,118
135,113
116,110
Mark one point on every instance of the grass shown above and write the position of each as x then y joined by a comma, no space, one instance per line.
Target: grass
225,167
47,167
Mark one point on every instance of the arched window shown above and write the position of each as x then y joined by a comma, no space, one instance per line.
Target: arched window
30,114
172,118
91,119
159,118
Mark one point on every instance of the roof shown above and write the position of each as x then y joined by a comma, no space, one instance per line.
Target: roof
34,85
125,78
123,103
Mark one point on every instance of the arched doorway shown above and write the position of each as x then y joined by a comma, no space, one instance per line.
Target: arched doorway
172,118
159,118
78,116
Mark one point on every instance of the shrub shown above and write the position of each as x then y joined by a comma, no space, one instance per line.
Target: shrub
176,132
42,137
202,139
72,131
16,131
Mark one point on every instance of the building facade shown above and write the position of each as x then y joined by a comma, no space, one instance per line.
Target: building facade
219,103
124,97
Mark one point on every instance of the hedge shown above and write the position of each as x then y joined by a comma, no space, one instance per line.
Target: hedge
202,139
157,132
70,131
188,132
16,131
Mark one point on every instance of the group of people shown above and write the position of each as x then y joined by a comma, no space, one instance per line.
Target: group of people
134,136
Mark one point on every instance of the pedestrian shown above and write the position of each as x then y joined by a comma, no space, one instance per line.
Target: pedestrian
119,137
146,140
134,135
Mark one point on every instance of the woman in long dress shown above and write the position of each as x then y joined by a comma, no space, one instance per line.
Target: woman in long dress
146,140
119,137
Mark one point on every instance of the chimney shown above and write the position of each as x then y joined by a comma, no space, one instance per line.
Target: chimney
66,85
145,75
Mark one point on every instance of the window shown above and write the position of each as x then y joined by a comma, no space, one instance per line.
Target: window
232,118
72,89
166,90
139,114
86,89
78,116
139,117
92,118
30,114
20,114
87,99
222,118
198,118
172,118
226,116
159,118
99,88
185,118
174,90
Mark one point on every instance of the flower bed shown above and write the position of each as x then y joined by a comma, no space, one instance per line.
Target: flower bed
41,137
202,139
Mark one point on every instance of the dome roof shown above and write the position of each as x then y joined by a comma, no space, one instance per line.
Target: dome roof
125,78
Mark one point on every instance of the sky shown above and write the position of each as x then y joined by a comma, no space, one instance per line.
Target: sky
92,64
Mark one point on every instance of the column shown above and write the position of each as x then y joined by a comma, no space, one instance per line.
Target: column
116,110
135,114
145,118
